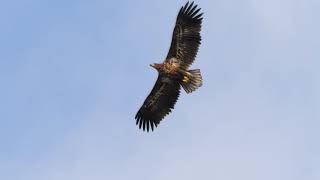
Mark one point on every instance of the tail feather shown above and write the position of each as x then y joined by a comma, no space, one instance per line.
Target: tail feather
195,81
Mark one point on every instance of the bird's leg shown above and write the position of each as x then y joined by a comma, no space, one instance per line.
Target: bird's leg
186,77
188,74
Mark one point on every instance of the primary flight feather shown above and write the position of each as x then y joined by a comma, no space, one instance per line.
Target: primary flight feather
173,73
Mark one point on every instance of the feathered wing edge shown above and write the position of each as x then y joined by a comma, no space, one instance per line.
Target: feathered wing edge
158,104
190,11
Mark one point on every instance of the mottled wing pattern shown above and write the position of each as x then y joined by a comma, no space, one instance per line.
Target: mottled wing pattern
159,103
186,35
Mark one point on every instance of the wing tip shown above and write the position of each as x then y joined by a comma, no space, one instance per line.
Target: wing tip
190,10
146,125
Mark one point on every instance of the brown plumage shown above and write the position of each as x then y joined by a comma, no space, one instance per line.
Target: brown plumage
173,72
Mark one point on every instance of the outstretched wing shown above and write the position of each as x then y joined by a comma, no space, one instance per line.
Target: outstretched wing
159,103
186,35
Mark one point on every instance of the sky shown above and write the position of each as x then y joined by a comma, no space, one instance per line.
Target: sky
74,73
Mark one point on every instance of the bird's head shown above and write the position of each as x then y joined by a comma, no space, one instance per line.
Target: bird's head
156,66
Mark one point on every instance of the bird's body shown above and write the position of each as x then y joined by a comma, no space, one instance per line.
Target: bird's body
174,72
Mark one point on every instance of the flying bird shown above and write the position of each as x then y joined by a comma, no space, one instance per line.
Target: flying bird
174,72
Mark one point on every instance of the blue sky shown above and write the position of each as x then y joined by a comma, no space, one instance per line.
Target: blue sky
74,73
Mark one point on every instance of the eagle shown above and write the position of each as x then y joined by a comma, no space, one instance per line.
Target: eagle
174,72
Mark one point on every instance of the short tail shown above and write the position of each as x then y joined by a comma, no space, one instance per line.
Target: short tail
193,81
